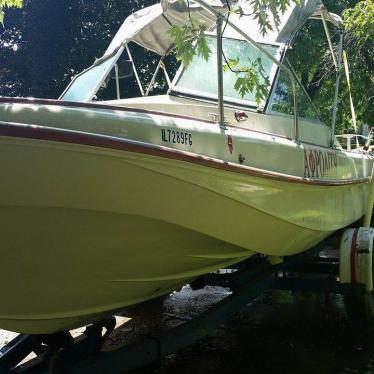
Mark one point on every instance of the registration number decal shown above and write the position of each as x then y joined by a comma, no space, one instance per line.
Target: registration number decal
176,137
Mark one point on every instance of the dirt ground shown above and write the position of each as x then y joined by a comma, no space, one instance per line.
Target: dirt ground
280,332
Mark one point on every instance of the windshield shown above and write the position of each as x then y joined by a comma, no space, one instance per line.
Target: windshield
283,99
85,85
201,76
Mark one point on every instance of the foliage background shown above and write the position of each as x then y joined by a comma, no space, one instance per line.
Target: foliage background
315,67
45,43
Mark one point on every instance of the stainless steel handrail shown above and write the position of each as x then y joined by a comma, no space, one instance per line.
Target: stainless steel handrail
268,54
337,86
220,71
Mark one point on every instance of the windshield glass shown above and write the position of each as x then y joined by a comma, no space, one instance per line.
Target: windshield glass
201,76
283,99
85,85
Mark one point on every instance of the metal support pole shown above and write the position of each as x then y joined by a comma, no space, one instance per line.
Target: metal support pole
117,82
135,71
337,85
295,109
327,32
152,82
220,71
257,45
168,81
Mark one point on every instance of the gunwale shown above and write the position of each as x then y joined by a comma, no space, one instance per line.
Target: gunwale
37,132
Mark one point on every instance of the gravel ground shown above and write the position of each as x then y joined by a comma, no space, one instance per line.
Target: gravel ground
280,332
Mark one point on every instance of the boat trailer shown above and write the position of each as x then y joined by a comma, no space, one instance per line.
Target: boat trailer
347,270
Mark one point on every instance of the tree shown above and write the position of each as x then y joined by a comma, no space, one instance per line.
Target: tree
311,58
359,23
315,69
42,47
8,4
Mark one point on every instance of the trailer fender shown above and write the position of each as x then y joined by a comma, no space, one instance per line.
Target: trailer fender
356,256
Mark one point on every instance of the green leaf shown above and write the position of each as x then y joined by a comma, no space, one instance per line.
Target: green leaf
231,64
8,4
237,10
268,11
190,40
203,49
185,38
250,79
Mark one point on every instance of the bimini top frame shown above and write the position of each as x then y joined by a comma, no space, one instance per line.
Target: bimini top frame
150,26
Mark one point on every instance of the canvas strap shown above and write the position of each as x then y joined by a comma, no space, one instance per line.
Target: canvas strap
353,112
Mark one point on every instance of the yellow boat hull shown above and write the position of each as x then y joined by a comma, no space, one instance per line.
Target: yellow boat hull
86,230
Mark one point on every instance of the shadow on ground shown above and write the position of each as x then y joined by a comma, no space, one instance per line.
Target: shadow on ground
280,332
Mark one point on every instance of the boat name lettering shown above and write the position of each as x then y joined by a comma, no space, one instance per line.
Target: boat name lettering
319,163
176,137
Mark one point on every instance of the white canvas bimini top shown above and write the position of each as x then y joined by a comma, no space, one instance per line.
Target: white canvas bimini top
149,26
289,22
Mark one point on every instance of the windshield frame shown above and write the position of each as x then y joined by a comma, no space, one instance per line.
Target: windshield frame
178,91
270,100
116,53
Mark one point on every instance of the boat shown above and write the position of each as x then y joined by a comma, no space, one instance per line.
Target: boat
107,204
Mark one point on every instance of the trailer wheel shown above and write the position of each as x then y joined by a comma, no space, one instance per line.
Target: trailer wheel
356,271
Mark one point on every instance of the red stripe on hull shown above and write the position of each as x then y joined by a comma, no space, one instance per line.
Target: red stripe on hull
97,140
